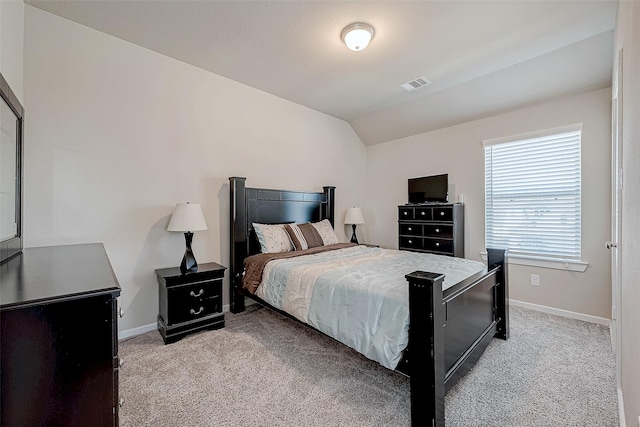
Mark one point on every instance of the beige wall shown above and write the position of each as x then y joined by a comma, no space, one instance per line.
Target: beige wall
458,151
11,44
118,134
628,39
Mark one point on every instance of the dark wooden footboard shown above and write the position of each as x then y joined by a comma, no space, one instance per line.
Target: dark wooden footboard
449,331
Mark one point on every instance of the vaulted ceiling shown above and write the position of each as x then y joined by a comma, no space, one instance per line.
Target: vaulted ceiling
481,57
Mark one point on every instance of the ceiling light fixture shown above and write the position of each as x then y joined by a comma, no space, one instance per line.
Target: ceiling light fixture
357,36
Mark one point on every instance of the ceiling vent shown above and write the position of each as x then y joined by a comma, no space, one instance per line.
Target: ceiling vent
415,84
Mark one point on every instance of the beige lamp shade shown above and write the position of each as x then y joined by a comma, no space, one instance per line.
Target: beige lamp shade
187,217
354,216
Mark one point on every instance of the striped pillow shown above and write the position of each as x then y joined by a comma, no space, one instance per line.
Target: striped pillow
311,235
303,236
296,237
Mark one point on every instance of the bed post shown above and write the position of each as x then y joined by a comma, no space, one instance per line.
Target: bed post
238,238
329,206
498,257
426,355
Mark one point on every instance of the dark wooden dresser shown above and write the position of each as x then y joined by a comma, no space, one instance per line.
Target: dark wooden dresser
434,228
59,338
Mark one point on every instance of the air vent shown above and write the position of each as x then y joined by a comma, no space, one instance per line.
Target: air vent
415,84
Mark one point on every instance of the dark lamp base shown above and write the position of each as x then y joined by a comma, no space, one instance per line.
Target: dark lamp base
189,264
354,239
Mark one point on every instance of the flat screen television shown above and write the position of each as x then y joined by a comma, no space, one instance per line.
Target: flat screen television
429,189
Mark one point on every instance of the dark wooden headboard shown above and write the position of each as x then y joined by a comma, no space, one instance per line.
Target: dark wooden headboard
267,206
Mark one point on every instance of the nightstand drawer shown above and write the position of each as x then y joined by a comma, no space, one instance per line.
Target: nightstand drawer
193,311
191,302
410,242
410,229
438,245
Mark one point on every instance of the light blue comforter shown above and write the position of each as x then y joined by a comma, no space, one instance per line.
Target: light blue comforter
358,295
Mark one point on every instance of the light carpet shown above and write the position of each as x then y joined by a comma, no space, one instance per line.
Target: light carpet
264,369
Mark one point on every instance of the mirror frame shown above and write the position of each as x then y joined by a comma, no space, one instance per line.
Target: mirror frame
13,246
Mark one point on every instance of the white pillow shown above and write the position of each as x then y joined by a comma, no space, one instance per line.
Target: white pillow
272,238
325,230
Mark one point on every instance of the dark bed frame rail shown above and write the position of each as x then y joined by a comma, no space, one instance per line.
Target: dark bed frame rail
449,330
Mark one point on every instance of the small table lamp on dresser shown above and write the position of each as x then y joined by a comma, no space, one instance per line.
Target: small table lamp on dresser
187,217
354,217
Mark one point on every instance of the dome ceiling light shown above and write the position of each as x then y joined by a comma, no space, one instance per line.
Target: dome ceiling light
357,36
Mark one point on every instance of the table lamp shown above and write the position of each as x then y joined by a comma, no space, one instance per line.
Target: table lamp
354,217
187,217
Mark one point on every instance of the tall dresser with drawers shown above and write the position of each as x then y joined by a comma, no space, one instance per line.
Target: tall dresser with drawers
59,338
433,228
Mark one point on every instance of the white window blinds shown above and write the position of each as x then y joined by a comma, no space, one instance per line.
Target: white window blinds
532,194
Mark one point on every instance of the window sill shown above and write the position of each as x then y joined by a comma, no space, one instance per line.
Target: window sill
534,261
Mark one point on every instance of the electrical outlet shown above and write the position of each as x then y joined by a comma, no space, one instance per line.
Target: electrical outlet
535,280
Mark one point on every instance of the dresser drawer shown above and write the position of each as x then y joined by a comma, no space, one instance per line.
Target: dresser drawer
194,301
410,229
438,230
438,245
423,214
443,214
410,242
405,214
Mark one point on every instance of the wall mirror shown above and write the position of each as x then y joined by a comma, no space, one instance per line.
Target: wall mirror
11,128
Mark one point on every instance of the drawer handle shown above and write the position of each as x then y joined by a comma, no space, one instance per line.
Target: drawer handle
441,213
437,244
405,213
121,402
409,229
410,241
195,313
422,213
193,294
437,230
120,362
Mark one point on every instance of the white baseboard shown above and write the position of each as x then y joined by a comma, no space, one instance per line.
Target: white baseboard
128,333
563,313
623,423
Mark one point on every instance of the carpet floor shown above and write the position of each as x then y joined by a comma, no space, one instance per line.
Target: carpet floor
263,369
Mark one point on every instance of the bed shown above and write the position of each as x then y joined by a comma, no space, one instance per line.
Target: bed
448,330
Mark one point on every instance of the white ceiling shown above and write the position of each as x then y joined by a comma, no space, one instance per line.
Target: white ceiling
482,57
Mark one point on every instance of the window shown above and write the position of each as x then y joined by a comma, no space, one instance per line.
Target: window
532,195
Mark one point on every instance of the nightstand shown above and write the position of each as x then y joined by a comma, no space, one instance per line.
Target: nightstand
189,302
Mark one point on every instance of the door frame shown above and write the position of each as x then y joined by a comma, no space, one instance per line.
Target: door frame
616,211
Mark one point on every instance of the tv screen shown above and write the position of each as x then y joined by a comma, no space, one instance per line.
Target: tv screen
429,189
